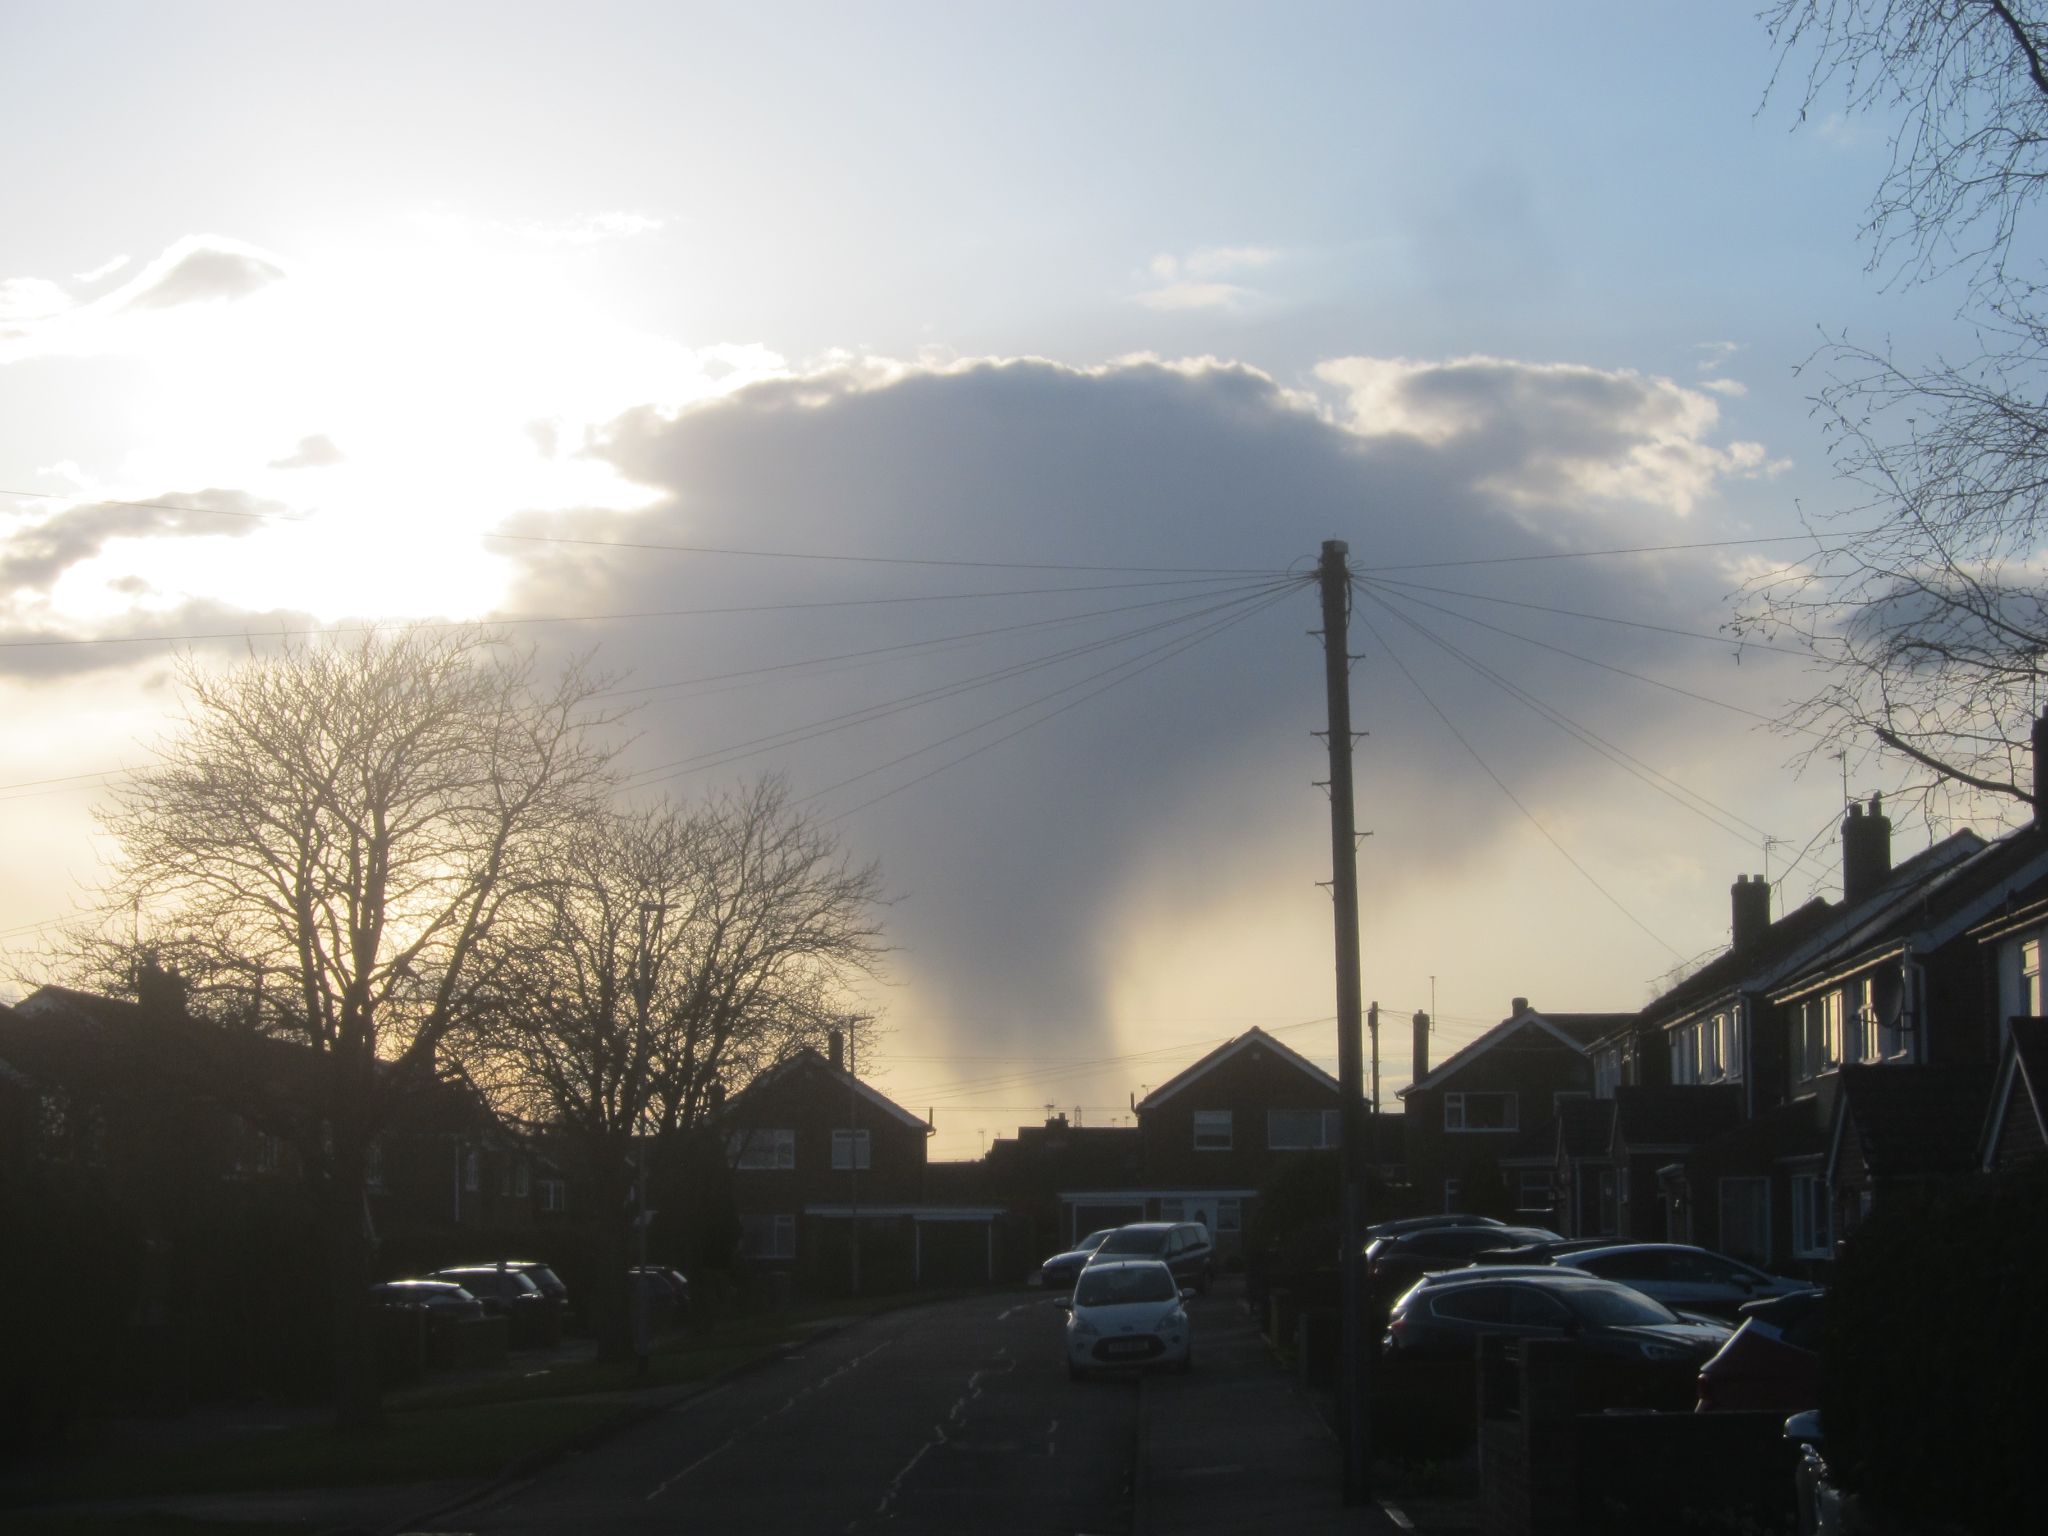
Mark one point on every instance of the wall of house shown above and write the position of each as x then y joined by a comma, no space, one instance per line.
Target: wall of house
1530,1063
1248,1085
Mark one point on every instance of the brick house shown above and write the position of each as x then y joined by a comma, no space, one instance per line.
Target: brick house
831,1185
1464,1116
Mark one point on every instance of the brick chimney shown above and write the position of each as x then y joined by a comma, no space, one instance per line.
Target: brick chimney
1866,850
1521,1006
838,1043
1750,900
1418,1065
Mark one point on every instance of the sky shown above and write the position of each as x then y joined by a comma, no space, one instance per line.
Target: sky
943,406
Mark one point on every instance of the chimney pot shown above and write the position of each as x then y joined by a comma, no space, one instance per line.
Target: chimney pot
1750,900
1521,1005
1418,1063
838,1043
1866,851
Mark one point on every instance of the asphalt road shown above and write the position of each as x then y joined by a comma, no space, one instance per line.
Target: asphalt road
951,1417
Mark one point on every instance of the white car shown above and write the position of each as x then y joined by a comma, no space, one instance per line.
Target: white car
1127,1312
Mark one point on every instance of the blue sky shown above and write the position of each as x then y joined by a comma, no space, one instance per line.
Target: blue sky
1134,286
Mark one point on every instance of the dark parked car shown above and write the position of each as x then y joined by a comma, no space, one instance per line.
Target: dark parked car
1185,1247
511,1293
1394,1263
1443,1317
442,1300
1773,1359
1402,1224
1683,1276
667,1292
1057,1273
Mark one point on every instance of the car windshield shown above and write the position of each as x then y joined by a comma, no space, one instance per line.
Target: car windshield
1135,1240
1093,1240
1616,1305
1117,1287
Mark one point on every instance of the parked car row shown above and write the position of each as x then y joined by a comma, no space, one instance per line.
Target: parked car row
528,1294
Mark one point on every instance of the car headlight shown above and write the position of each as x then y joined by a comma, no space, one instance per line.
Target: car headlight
1175,1318
1082,1327
1655,1351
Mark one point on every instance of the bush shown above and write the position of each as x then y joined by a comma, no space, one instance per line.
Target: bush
1936,1336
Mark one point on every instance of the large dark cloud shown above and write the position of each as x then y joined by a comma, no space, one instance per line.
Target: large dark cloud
1011,863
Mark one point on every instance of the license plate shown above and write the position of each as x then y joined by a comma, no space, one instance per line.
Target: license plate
1128,1347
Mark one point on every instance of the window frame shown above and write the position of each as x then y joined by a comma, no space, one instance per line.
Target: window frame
1813,1217
1205,1122
1326,1135
852,1149
779,1155
781,1229
1461,1099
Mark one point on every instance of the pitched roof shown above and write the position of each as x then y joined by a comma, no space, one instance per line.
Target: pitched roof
1253,1037
2022,1084
1927,902
805,1058
1745,969
1912,1120
1577,1031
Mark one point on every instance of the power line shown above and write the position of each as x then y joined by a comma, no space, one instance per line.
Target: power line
1513,798
1715,815
1740,643
1636,549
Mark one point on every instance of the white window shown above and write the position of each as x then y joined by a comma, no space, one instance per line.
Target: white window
1863,1044
554,1195
472,1170
1731,1048
768,1237
2030,978
1479,1112
849,1149
1820,1035
1532,1191
1230,1215
1606,1073
1301,1130
1212,1130
764,1149
1454,1191
1812,1225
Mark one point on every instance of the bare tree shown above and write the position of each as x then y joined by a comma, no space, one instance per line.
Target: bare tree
323,845
666,951
1925,601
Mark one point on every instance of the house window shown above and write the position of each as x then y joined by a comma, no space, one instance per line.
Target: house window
768,1237
1212,1130
1731,1047
554,1195
522,1180
1454,1191
1820,1035
373,1164
1479,1112
505,1181
1532,1192
1173,1208
472,1172
1746,1219
1606,1073
1812,1223
849,1149
2030,979
1230,1215
764,1149
1301,1130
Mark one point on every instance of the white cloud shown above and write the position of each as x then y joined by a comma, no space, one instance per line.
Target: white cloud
315,452
104,269
195,274
1194,281
1550,435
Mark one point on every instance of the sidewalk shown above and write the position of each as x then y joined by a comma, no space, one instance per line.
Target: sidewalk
1249,1455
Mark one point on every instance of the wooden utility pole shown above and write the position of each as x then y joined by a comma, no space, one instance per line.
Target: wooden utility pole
1354,1362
